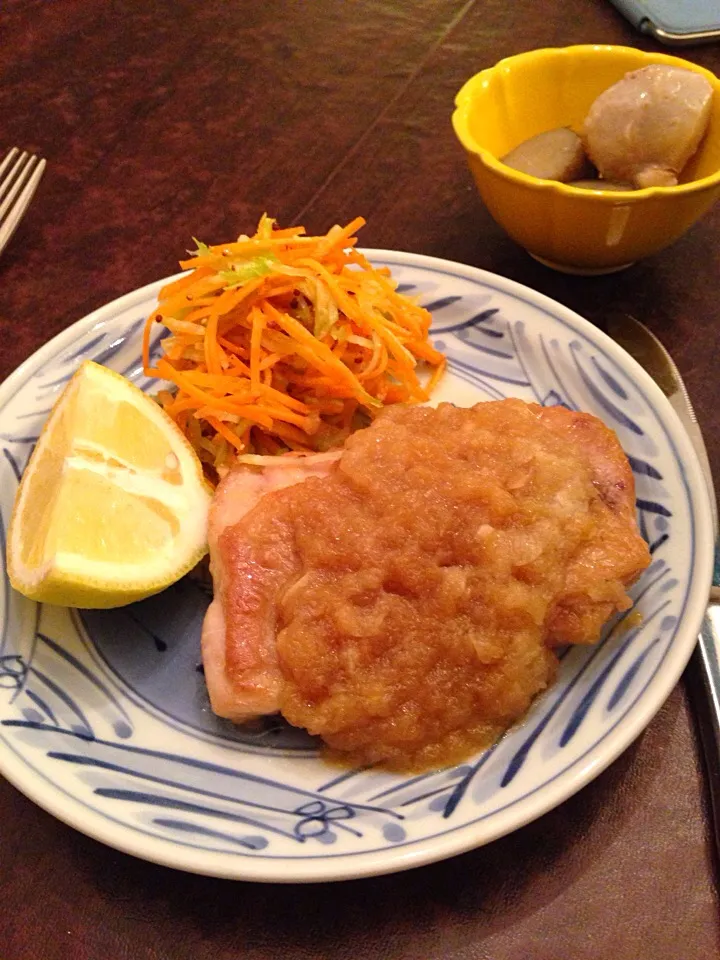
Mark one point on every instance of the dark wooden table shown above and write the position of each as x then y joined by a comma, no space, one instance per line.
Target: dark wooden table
163,119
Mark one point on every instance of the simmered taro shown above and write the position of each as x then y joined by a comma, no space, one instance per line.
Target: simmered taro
645,128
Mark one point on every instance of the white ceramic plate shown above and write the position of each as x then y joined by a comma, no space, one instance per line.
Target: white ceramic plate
104,717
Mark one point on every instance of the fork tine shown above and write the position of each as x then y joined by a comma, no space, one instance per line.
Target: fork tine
11,178
15,213
15,182
8,160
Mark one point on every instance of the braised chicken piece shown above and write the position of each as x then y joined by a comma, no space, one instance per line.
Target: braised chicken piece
403,601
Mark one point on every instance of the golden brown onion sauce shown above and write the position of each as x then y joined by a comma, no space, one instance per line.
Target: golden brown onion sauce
437,566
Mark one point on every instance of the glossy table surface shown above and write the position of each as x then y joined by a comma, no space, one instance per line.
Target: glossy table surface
169,119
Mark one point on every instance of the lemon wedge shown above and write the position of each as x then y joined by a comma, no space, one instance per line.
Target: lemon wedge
112,506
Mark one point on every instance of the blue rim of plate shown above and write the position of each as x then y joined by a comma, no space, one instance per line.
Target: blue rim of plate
407,852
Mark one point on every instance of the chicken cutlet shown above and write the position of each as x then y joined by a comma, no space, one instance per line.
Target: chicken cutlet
402,600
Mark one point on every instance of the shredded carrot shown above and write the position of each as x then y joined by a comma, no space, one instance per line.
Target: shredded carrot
225,432
258,324
283,342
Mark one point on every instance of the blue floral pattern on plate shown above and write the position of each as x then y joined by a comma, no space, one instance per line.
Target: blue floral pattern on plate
104,716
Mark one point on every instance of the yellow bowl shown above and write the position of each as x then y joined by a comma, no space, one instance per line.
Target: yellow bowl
568,228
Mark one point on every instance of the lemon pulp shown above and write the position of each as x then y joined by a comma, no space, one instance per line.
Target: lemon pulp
113,505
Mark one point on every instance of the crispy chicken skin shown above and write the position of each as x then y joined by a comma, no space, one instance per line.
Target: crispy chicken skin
403,601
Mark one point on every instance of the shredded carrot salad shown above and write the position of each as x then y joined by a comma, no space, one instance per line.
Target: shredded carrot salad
283,342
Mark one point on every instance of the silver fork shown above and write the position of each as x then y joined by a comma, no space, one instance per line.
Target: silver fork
20,173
